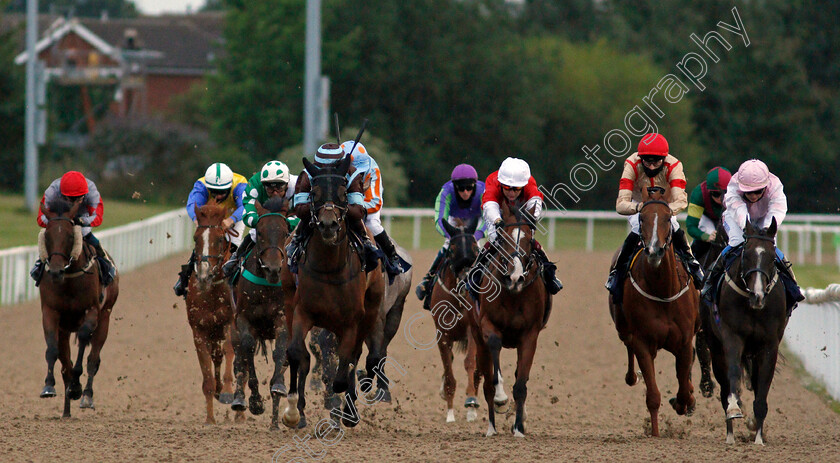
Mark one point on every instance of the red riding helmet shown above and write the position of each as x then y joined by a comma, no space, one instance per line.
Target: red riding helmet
653,144
73,184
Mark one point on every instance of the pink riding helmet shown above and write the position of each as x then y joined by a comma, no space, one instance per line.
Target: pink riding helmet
753,175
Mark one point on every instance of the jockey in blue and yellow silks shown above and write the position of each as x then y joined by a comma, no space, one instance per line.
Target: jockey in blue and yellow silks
227,189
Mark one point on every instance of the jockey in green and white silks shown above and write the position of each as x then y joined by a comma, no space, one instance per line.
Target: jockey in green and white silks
756,195
273,180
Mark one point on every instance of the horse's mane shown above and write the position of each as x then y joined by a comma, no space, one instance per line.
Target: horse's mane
275,204
60,206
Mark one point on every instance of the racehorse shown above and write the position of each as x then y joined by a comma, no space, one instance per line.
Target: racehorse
748,327
259,297
455,331
210,306
512,315
659,309
72,300
334,292
701,343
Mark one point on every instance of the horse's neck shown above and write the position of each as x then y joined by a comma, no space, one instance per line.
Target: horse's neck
665,272
327,258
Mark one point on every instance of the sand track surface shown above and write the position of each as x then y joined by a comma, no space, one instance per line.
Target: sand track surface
149,405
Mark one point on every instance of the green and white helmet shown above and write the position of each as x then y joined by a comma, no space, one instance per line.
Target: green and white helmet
274,171
218,176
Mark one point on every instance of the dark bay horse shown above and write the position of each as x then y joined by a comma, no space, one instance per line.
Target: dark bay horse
701,343
334,293
512,315
448,298
72,300
659,310
748,327
210,305
260,297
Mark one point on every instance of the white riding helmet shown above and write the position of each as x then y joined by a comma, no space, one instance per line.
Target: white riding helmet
218,176
514,172
274,171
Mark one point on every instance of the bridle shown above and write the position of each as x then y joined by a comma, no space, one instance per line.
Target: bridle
199,258
518,252
771,280
259,250
641,219
329,205
69,258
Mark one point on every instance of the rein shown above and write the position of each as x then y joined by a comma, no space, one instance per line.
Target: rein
650,296
261,251
670,230
745,291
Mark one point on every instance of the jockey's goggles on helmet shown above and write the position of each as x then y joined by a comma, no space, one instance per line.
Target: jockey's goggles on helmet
715,193
465,186
218,192
511,188
72,199
651,159
274,185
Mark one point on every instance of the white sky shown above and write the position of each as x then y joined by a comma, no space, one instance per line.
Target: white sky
167,6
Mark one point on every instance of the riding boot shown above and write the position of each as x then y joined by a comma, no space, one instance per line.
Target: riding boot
229,268
37,271
552,283
394,262
684,251
711,282
616,278
295,247
184,277
793,292
424,289
106,267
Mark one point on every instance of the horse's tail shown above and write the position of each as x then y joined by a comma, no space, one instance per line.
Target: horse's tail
460,345
262,349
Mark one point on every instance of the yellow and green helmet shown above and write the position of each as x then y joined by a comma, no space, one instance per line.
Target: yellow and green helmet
274,171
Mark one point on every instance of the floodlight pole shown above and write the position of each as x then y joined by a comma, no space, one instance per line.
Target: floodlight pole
31,164
312,77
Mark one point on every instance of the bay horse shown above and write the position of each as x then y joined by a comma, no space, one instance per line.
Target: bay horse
659,309
259,296
210,306
455,330
334,292
701,343
512,316
748,326
72,301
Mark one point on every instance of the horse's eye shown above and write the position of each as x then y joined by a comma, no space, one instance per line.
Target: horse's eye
316,193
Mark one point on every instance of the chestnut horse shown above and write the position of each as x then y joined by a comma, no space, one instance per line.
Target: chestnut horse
259,296
659,310
334,293
210,306
455,330
72,300
748,327
512,315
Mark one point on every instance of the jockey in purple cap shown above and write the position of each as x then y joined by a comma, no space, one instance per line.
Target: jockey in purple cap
459,198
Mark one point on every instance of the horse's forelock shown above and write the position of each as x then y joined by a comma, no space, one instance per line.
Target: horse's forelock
60,206
275,204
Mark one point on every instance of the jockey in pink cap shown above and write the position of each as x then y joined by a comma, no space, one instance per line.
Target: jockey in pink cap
756,195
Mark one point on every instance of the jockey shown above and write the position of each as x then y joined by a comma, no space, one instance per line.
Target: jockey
459,198
327,155
705,207
512,184
72,187
757,195
225,188
651,166
372,182
272,181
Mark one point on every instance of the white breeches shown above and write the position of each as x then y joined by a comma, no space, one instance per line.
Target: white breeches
634,223
239,227
374,223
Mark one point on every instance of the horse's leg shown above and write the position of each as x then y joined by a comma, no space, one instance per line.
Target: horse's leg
376,347
473,378
764,367
684,402
707,386
349,353
99,337
243,340
485,365
448,384
524,361
208,384
392,325
721,375
226,396
255,402
293,415
66,367
85,335
278,387
327,349
652,396
49,320
733,347
631,377
494,346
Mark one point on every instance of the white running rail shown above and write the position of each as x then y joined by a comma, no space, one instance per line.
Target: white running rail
130,245
813,334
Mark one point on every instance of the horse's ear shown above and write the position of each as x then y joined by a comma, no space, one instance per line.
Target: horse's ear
771,230
75,208
196,209
471,226
260,209
345,165
749,229
310,168
450,229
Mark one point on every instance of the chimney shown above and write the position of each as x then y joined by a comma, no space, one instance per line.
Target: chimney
130,36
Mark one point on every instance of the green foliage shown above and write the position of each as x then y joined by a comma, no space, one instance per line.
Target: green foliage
82,8
12,85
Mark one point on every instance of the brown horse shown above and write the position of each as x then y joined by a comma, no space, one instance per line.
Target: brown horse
701,343
748,327
72,300
260,296
447,300
511,314
659,310
210,306
334,293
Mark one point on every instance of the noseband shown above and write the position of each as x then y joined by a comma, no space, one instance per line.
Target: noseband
518,252
329,205
771,280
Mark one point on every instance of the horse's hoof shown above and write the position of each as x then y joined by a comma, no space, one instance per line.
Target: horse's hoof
491,430
87,402
751,424
226,398
291,415
450,416
349,423
332,401
255,405
731,415
516,432
707,388
501,407
302,423
238,404
471,402
239,417
386,396
279,390
48,392
472,415
74,392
